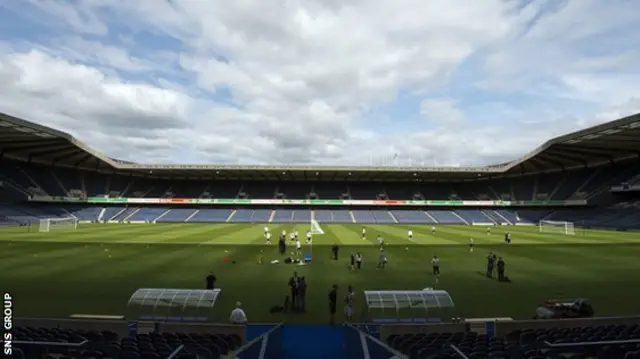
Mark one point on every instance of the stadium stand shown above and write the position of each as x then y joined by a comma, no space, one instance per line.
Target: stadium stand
526,343
108,344
48,174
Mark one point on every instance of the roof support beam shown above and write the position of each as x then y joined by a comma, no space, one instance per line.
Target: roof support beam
570,155
84,159
595,153
47,152
61,154
614,149
552,161
534,162
28,140
48,148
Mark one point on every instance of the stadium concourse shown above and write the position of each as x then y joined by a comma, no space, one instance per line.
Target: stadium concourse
88,232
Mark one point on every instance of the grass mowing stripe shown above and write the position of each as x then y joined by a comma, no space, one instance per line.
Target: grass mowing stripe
541,266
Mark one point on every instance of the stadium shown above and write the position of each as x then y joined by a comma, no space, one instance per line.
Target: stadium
110,256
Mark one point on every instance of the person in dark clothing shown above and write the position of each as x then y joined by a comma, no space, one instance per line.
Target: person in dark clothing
352,261
491,261
333,303
501,268
294,283
358,260
211,281
302,294
282,245
334,250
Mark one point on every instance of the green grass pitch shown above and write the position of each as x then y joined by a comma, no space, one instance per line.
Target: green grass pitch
94,269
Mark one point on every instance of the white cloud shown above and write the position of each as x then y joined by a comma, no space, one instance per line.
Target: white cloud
303,82
442,110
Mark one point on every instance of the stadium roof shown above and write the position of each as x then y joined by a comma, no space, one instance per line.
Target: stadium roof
606,143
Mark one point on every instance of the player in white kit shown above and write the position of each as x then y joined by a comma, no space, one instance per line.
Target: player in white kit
470,244
380,240
298,247
268,237
296,234
309,238
488,230
292,236
364,233
266,230
410,234
433,229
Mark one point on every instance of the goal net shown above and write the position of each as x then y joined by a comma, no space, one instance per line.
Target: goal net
315,227
556,227
57,224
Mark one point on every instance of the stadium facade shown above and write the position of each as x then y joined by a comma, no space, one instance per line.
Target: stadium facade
48,173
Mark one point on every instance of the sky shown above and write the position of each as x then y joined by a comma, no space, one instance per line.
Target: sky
319,82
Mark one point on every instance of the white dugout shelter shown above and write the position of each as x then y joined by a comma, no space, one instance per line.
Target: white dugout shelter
408,303
176,304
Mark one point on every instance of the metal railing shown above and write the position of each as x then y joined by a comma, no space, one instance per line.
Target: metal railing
459,352
176,352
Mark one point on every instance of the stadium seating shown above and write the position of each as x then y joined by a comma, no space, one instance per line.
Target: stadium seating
446,217
625,215
242,216
147,214
31,179
412,217
523,344
176,215
301,216
363,216
283,215
204,215
341,216
472,216
85,213
124,215
261,215
21,180
382,216
106,344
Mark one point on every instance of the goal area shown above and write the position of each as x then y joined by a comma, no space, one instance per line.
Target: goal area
56,224
557,227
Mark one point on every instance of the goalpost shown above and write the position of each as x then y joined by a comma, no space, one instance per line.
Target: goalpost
55,224
556,227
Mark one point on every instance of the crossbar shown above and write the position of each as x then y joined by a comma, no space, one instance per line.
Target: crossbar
604,342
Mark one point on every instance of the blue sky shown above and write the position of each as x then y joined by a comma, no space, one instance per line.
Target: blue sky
444,82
